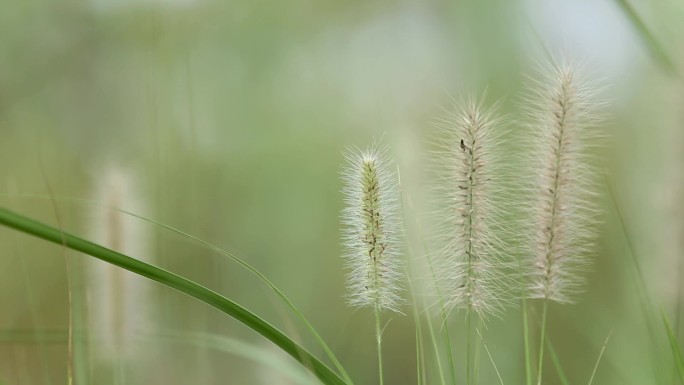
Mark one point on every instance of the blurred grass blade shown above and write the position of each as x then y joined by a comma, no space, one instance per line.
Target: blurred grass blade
646,303
491,359
215,342
249,319
674,345
244,349
407,202
556,362
648,38
420,351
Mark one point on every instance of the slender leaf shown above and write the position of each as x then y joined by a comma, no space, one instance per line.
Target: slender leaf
491,359
598,360
249,319
556,362
674,345
240,262
647,37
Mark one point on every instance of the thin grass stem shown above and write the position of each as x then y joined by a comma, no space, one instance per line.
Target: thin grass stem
542,337
598,360
526,341
440,370
468,347
489,354
478,347
378,338
556,362
442,306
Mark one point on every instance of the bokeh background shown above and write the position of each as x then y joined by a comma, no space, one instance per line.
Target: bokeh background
228,120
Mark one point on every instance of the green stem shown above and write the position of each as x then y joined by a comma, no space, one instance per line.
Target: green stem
478,346
542,337
526,337
440,370
468,346
450,354
378,338
249,319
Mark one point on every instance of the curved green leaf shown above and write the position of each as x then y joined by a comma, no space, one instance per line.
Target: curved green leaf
236,259
251,320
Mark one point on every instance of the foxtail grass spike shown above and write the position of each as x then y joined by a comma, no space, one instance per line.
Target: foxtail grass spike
562,112
473,272
372,230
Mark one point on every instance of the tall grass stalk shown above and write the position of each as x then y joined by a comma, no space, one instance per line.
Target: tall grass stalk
473,273
372,227
542,338
406,201
526,342
562,114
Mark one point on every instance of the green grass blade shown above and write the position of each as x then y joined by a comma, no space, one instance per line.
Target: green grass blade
556,363
215,342
406,200
491,359
420,350
598,360
249,319
240,262
647,37
645,300
249,351
674,345
433,339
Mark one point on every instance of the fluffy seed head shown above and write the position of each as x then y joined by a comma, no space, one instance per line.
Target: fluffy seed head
372,227
472,272
562,113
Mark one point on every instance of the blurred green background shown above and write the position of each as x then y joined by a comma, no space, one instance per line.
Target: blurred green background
228,120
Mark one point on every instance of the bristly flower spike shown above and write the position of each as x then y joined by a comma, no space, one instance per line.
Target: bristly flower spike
473,274
563,115
372,229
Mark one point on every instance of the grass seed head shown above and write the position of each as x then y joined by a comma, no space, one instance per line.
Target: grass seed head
372,229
